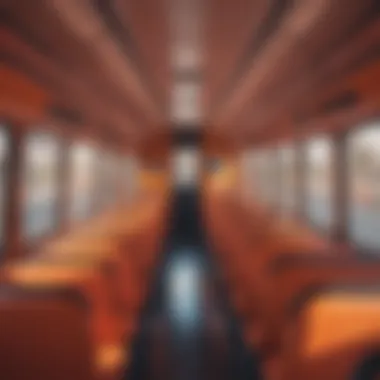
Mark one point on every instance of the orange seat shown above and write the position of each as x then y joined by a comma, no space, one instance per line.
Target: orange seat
107,264
299,275
51,334
330,331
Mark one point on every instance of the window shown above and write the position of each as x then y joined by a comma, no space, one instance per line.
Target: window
248,172
129,177
186,163
82,181
364,186
108,179
4,158
288,179
319,184
266,176
40,185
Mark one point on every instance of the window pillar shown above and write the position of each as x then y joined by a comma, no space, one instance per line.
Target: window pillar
63,176
300,179
341,188
13,217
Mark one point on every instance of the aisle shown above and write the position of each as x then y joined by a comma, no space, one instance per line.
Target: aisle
187,330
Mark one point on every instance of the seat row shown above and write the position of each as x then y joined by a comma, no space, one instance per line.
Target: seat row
292,291
71,310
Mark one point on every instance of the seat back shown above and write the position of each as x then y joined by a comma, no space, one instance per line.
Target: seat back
43,336
330,331
298,275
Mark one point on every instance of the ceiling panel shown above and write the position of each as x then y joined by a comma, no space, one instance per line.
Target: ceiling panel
230,28
148,22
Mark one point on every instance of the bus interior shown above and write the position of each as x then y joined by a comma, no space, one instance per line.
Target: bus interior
190,190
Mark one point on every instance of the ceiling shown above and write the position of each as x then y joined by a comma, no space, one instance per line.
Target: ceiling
247,69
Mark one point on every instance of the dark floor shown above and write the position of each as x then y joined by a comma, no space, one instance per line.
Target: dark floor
187,328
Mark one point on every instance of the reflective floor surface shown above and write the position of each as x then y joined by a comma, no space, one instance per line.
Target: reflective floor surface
187,329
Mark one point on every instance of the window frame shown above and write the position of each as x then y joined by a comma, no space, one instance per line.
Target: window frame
108,159
33,241
72,217
338,230
6,127
340,207
286,209
360,249
130,173
329,230
267,157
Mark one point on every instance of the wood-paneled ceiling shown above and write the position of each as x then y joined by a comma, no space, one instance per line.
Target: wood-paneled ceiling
268,67
277,76
104,61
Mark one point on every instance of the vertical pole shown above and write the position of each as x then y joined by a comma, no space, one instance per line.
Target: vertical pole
300,179
340,183
100,180
63,201
13,214
278,183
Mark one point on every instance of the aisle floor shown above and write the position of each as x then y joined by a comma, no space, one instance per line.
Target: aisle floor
187,329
